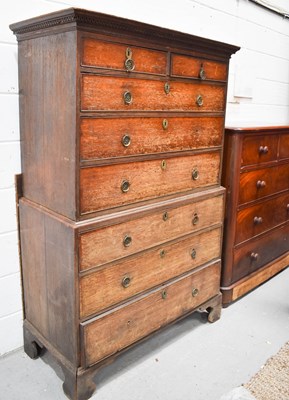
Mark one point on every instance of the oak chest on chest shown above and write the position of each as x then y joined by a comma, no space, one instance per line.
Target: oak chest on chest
122,210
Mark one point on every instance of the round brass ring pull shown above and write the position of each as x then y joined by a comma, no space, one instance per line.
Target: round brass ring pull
195,219
126,140
202,73
193,254
127,97
125,186
127,241
200,100
129,64
195,174
126,280
195,292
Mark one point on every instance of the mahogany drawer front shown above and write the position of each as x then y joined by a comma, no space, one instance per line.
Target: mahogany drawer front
260,251
101,54
106,93
259,149
115,283
254,220
284,146
263,182
103,187
116,330
117,241
191,67
118,137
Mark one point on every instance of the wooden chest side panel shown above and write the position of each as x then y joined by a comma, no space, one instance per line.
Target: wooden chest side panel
47,85
101,187
107,244
116,330
103,137
107,286
106,93
47,250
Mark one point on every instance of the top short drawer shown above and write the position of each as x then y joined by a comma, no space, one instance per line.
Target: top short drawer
259,149
191,67
284,146
114,56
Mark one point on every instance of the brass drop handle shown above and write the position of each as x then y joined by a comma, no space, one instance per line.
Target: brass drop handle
202,73
200,100
195,219
195,292
254,256
258,220
195,174
260,184
129,63
126,280
193,254
127,97
126,140
125,185
263,149
127,241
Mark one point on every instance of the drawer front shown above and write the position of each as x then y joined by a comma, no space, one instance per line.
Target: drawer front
110,94
254,220
101,54
115,283
284,146
109,186
114,331
111,137
263,182
259,149
258,252
196,68
117,241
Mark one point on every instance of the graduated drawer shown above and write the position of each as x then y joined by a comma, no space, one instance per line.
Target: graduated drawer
106,93
259,149
263,182
260,251
114,283
103,187
256,219
116,56
115,330
110,243
284,146
191,67
118,137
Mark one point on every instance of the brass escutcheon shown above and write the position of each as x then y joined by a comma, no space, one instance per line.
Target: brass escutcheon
128,53
195,292
199,100
162,253
126,140
127,240
195,219
195,174
202,73
165,124
165,216
126,280
125,186
163,165
164,294
127,97
193,254
167,88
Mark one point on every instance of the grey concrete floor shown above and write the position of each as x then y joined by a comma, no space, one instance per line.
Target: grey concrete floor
192,359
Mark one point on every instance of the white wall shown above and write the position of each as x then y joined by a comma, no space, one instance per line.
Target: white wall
258,95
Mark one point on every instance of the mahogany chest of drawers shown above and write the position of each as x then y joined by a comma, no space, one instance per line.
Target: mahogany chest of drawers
256,231
121,211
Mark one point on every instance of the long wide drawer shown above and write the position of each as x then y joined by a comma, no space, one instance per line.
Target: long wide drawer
112,284
113,331
106,93
260,251
119,137
108,186
113,242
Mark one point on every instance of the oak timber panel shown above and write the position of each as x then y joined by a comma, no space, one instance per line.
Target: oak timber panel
102,54
190,67
107,286
106,244
101,186
102,137
126,325
107,93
